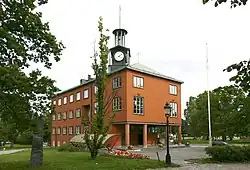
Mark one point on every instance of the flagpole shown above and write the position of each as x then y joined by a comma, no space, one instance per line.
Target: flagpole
208,100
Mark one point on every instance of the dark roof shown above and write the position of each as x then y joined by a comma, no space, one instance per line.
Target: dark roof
135,67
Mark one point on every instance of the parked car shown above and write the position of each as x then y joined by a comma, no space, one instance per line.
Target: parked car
219,143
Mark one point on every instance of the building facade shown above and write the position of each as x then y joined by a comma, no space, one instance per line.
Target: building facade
135,93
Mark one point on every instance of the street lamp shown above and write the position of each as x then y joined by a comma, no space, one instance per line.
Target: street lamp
167,109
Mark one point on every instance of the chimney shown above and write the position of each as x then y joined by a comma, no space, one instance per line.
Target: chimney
82,81
89,77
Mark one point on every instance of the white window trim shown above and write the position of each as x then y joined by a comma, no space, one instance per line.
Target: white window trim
71,98
96,104
141,105
64,115
59,131
96,89
70,130
117,105
54,102
71,114
64,130
116,82
65,99
78,113
53,131
78,96
138,82
174,111
86,93
173,89
59,116
59,102
53,117
77,130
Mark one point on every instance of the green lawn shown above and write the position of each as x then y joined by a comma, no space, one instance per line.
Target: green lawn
54,160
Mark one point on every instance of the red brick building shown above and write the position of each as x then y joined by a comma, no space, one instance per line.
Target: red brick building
138,103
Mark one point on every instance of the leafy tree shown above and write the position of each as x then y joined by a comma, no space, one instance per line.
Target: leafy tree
225,102
101,121
25,40
234,3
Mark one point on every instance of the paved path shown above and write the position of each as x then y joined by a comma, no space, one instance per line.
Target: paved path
12,151
211,167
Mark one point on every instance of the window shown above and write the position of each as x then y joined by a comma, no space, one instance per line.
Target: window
53,143
65,100
78,113
71,115
58,130
86,94
78,130
59,102
58,143
53,117
70,130
64,131
117,104
96,89
96,105
138,82
174,110
173,89
78,96
117,82
64,114
139,105
53,131
71,98
54,102
59,116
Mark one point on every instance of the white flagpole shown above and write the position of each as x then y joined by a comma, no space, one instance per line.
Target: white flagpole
208,100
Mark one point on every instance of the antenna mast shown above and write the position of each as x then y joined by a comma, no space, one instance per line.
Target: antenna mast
120,16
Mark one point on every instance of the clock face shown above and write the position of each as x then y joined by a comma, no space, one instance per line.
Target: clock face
119,56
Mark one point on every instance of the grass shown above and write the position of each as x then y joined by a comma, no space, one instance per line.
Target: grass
54,160
211,161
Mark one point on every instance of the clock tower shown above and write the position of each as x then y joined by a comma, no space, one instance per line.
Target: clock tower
119,54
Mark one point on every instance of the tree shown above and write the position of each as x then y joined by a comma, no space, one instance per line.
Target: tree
25,40
234,3
225,102
100,124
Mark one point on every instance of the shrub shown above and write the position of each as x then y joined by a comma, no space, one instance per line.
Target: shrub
229,153
72,147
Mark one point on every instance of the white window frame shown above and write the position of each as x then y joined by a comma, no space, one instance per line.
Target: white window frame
96,104
59,116
117,104
64,130
71,130
86,93
59,131
58,143
96,89
59,102
173,89
53,117
71,114
53,131
64,115
78,96
65,99
77,130
53,143
54,102
139,105
138,82
174,109
116,82
78,113
71,98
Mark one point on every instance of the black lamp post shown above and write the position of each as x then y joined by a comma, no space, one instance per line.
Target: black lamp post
167,109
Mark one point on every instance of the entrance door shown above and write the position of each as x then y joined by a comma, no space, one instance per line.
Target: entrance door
140,135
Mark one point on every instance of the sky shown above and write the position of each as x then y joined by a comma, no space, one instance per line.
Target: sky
170,37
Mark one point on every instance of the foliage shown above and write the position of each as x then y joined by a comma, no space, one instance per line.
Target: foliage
71,147
25,138
234,3
229,153
227,110
77,161
96,129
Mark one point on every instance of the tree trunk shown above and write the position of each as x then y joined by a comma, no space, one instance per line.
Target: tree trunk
94,154
224,138
231,138
11,144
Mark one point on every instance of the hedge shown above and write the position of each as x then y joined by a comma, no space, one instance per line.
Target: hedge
72,147
229,153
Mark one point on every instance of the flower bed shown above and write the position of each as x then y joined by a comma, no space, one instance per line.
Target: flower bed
128,154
